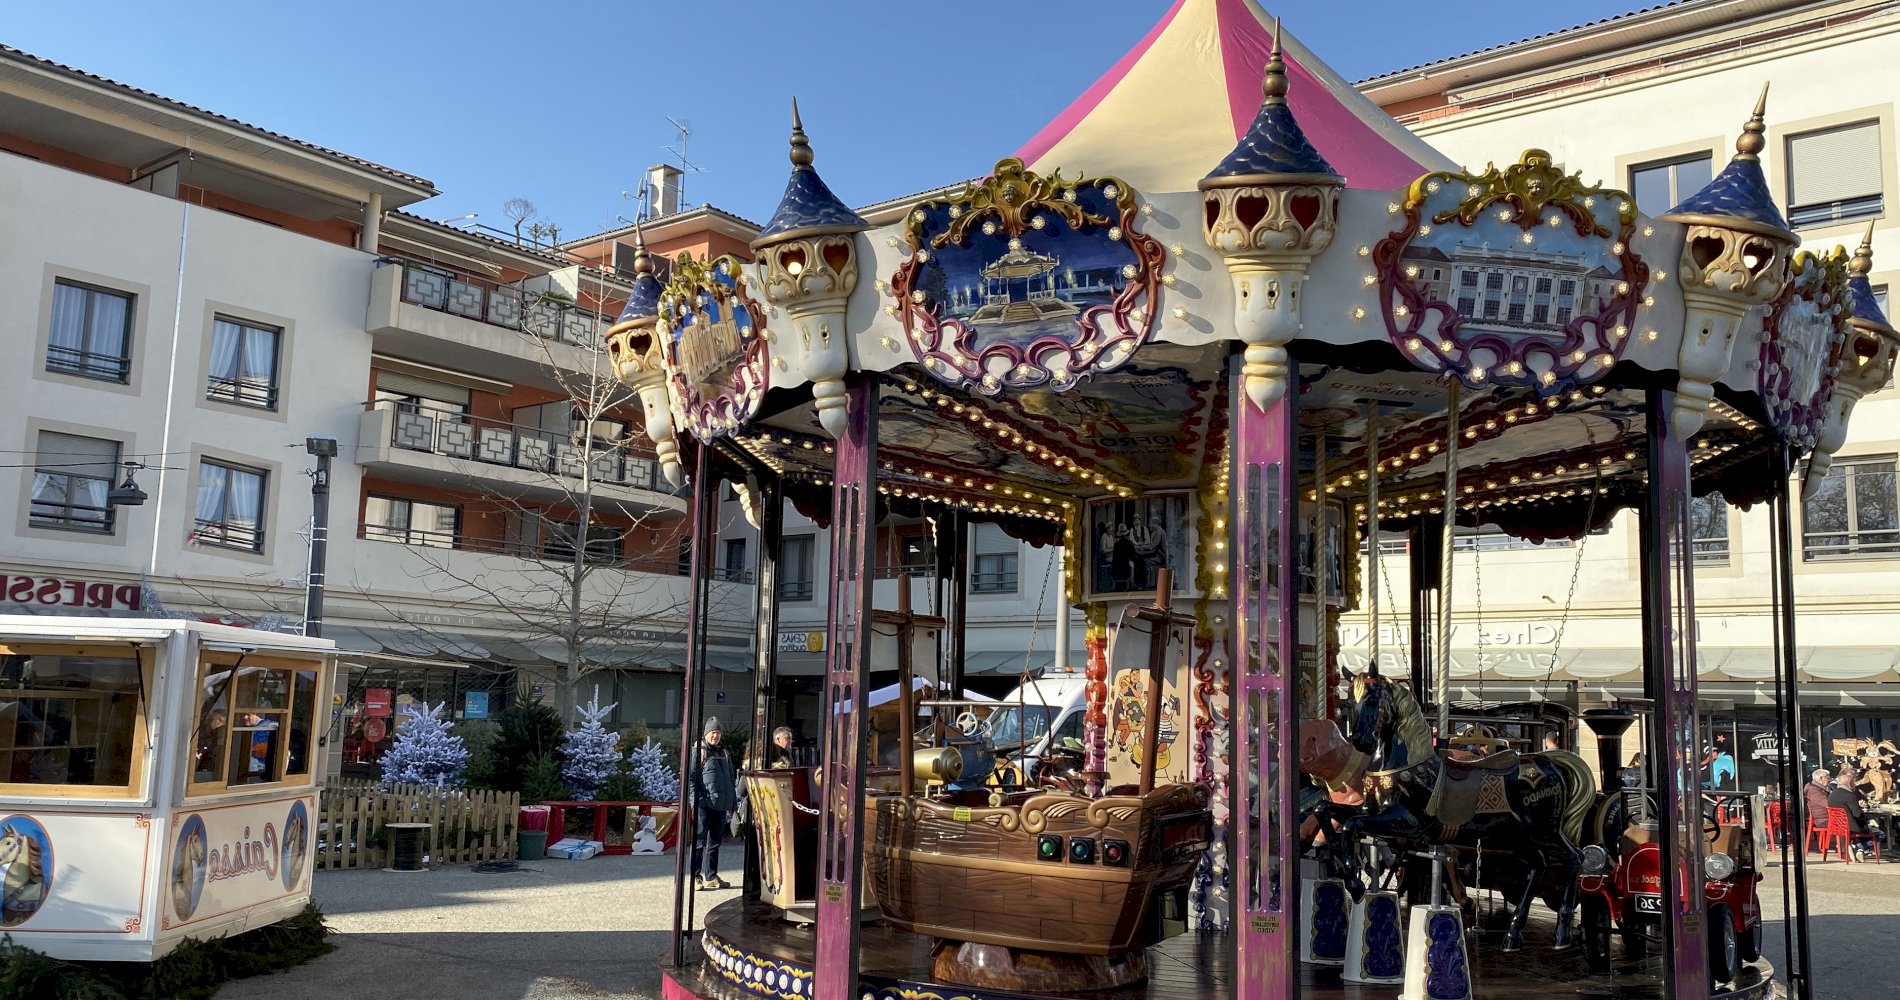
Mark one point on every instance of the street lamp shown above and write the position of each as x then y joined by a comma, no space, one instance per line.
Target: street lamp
324,449
127,494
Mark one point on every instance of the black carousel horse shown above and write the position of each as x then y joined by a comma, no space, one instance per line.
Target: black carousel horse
1531,806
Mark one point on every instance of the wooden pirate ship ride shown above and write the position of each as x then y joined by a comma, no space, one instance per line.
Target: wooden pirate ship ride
1011,881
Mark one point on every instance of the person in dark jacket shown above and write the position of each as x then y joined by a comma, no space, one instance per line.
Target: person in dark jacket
1848,798
715,793
1814,797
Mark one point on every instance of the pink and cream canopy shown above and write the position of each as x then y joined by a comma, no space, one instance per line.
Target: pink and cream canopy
1174,106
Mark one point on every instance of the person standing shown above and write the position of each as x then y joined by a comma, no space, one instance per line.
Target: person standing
715,794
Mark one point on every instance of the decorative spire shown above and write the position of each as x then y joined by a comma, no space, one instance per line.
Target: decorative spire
1749,144
642,263
643,302
1862,263
1274,146
1738,198
1860,292
1273,85
801,146
808,207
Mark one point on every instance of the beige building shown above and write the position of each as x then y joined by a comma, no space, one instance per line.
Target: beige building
1613,100
191,298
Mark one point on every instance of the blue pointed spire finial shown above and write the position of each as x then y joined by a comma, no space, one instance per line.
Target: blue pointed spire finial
1738,197
643,302
1860,292
808,206
1274,146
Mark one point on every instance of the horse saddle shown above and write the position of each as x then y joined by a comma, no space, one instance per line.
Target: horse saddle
1468,788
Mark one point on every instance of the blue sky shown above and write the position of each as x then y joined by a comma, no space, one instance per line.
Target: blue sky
566,103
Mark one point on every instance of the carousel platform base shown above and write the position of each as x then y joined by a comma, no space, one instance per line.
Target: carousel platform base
749,952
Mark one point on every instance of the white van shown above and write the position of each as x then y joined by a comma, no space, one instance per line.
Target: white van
1038,713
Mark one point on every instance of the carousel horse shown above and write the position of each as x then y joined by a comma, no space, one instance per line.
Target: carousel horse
1530,805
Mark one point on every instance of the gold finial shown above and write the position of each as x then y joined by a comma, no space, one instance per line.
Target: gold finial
642,263
801,148
1749,144
1862,262
1274,84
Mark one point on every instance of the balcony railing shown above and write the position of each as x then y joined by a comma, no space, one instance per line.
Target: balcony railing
497,304
551,549
452,434
71,501
1881,542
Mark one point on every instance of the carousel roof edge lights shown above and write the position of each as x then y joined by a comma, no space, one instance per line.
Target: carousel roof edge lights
1179,100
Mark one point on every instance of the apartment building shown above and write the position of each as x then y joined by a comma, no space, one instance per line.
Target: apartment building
194,299
1651,101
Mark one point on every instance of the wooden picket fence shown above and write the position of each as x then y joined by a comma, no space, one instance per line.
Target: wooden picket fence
465,825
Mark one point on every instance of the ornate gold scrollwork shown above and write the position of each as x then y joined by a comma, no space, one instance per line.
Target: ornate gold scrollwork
1008,194
1530,185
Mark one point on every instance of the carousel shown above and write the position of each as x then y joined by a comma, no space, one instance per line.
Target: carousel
1215,373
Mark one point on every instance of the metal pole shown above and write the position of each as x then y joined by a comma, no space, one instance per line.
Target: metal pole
958,601
1372,534
324,449
699,593
1061,556
1157,673
1801,977
1441,674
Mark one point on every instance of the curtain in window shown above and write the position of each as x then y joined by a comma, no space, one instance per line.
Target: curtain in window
108,324
213,483
260,359
68,332
225,339
247,490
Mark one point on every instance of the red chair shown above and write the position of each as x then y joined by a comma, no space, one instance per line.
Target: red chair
1840,832
1807,844
1774,818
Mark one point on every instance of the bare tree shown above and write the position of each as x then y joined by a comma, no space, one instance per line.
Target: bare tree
562,579
517,211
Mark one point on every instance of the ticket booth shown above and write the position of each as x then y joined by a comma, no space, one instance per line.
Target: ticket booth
158,781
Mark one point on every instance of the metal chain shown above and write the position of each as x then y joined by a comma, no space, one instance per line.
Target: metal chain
1379,554
1477,595
1576,573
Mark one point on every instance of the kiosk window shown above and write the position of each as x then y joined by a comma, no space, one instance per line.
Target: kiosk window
69,720
254,723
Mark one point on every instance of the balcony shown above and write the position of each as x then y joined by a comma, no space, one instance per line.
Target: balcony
476,324
428,445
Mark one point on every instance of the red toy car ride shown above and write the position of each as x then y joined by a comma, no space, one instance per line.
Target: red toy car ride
1624,889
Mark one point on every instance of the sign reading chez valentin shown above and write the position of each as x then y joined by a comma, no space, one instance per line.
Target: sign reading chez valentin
64,592
223,859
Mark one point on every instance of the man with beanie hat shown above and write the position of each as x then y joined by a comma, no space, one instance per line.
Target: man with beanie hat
715,793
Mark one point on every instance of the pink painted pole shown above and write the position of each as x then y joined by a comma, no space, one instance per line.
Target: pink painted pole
1266,696
847,670
1669,671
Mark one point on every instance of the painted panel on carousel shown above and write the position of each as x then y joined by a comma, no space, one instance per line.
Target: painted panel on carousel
1025,280
715,342
1128,704
1801,343
229,858
72,873
1522,276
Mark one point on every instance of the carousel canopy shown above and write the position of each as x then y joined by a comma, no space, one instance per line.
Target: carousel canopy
1181,99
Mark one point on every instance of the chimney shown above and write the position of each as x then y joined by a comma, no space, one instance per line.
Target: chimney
663,189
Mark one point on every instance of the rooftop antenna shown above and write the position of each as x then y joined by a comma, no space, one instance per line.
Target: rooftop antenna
685,130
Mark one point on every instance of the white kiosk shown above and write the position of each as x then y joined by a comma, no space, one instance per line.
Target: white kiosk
158,781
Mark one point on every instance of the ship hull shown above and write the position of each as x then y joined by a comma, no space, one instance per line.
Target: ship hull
984,875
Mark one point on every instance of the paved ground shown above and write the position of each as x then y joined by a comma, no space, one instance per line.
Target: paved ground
595,930
556,930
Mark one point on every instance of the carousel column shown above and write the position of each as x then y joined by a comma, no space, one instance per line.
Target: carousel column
1669,660
847,669
1266,695
956,577
1424,555
766,500
705,512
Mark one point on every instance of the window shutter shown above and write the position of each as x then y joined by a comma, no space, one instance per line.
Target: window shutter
411,385
990,539
1834,165
81,456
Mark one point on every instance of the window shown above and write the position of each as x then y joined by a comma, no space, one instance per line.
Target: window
70,717
916,557
412,522
1708,528
1853,513
734,568
230,510
243,363
795,568
71,478
1659,187
993,568
254,723
91,333
1834,174
602,541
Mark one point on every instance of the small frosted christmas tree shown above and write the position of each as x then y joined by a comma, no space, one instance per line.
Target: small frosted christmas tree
590,753
425,752
659,781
